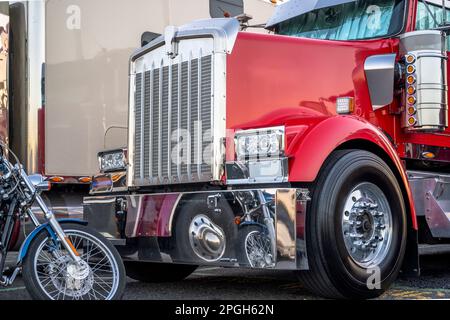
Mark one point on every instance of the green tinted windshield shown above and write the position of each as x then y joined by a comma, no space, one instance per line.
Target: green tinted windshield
350,21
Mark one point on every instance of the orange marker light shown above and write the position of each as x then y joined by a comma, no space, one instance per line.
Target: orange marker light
410,58
411,111
410,69
57,179
411,100
85,179
411,90
116,177
237,220
411,79
428,155
412,121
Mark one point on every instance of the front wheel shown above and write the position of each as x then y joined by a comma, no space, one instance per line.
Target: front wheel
255,247
50,274
356,227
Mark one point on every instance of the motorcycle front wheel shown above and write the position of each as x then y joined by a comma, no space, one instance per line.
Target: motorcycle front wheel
49,272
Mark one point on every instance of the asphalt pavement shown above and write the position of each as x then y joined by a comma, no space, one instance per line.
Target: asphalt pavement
223,284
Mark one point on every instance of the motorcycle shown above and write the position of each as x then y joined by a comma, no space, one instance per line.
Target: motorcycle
60,259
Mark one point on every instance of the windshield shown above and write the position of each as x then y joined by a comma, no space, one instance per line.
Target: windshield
350,21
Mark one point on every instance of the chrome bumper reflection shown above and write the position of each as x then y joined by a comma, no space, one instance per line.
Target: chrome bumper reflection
147,221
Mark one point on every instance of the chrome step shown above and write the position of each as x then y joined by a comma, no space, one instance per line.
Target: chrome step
431,193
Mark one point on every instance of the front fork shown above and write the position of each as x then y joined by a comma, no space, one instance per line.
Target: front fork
50,217
269,222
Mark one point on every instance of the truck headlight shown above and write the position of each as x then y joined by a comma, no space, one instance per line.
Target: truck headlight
260,143
114,160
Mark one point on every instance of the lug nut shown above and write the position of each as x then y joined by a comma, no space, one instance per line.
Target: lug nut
381,227
378,214
356,235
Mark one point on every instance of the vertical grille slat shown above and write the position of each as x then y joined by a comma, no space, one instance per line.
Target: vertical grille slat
173,98
155,123
138,119
146,127
194,116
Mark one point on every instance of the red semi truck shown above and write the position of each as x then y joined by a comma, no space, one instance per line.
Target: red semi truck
321,148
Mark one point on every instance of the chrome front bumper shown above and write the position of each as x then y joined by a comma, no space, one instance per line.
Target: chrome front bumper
144,222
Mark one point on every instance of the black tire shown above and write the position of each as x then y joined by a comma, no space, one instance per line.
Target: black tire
182,251
332,272
243,232
151,272
32,284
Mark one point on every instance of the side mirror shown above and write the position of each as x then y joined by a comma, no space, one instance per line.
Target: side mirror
39,182
148,37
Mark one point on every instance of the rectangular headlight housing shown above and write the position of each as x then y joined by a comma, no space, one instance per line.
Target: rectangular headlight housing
112,160
260,143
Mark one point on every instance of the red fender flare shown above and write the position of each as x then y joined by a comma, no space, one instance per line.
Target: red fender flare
310,144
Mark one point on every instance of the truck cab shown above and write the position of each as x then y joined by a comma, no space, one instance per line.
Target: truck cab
321,147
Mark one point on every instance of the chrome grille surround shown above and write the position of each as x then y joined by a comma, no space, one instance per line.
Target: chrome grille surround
175,81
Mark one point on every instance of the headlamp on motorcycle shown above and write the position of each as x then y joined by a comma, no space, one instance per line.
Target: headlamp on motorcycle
260,143
114,160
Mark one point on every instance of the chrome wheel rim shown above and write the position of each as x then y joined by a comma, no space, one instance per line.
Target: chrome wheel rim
96,278
258,250
367,225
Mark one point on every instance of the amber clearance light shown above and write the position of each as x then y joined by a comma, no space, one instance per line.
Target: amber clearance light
411,79
411,110
410,58
411,100
410,69
412,121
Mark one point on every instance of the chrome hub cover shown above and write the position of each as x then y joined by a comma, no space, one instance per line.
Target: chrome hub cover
367,225
206,238
77,277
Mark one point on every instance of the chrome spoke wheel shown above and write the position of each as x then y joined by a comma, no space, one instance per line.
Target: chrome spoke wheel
258,250
96,277
367,225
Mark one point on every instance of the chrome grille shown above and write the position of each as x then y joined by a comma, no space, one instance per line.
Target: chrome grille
169,97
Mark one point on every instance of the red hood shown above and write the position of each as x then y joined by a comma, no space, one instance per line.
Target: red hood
277,80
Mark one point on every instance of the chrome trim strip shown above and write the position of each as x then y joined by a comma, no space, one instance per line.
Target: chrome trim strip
161,72
142,121
179,120
189,144
169,123
199,118
150,157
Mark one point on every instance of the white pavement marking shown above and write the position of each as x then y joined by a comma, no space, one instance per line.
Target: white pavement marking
12,289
